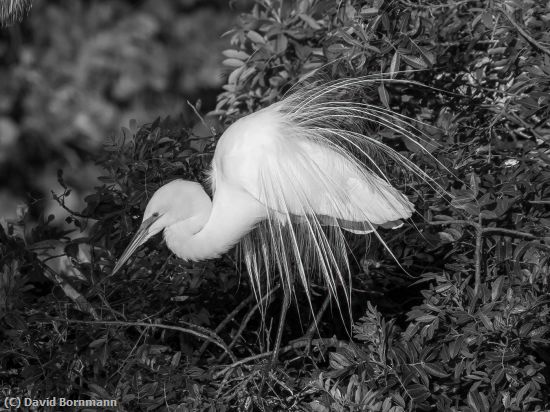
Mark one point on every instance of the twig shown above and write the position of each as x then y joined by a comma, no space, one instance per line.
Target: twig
212,130
452,222
68,289
524,33
314,325
61,202
480,232
247,319
486,230
215,341
477,257
327,342
224,322
509,232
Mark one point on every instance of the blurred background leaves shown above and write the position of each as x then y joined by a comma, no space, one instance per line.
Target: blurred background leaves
74,72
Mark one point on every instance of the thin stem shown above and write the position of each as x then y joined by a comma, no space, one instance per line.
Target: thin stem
298,344
282,319
247,319
477,258
227,319
215,340
315,324
526,35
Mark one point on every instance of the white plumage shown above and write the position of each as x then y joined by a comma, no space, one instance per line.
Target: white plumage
286,181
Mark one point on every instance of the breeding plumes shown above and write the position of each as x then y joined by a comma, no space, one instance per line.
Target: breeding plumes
287,182
13,11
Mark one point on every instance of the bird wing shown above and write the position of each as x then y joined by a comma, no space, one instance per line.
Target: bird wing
296,176
305,182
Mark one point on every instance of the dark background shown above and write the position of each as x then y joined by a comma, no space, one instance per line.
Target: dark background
74,72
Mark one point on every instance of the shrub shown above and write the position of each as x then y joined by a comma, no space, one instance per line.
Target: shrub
468,332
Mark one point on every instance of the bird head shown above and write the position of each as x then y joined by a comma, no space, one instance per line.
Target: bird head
174,202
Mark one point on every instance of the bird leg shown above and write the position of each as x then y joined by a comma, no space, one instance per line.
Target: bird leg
282,318
315,324
277,347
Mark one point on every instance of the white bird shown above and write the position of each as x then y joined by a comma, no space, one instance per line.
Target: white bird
286,181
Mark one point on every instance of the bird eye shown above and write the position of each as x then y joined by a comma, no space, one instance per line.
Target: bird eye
156,214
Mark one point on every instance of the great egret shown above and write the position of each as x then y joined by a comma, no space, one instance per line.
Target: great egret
286,181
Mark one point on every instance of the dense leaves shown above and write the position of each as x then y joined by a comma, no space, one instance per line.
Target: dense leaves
465,329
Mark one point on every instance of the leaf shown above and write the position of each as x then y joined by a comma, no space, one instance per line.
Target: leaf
99,391
369,11
487,20
456,346
255,37
97,342
474,183
384,96
418,392
525,329
235,54
394,65
428,57
474,401
310,21
399,399
486,321
488,214
233,62
426,318
175,359
316,406
496,288
414,61
443,288
469,207
281,44
450,235
335,50
496,378
435,369
338,361
234,75
521,393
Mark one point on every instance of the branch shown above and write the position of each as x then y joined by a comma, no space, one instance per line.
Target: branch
477,257
486,230
80,301
510,232
298,344
314,325
61,201
227,319
524,33
216,341
247,319
453,222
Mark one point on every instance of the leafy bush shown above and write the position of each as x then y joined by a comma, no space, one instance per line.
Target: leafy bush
72,74
469,331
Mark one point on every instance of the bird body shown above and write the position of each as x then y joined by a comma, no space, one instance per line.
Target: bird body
208,235
286,181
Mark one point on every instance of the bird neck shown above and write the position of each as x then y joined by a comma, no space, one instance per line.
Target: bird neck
209,235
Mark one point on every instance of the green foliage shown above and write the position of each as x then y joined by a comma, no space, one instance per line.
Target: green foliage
469,331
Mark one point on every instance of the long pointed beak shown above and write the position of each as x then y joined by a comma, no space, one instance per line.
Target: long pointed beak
139,238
